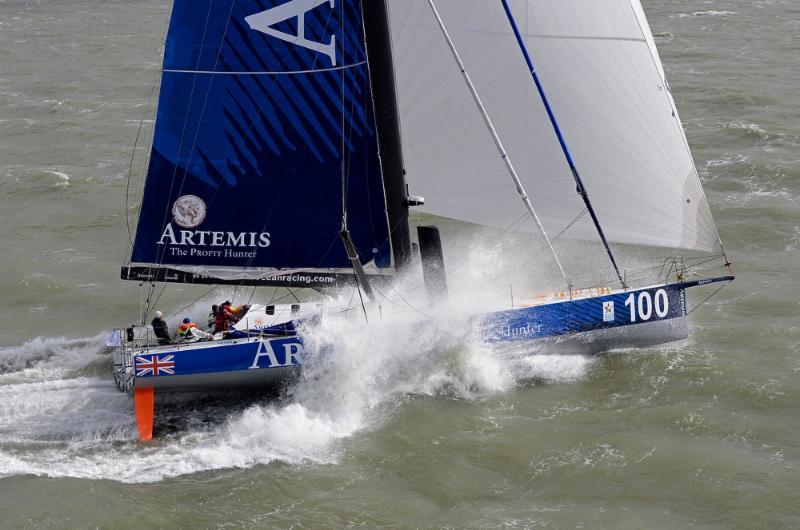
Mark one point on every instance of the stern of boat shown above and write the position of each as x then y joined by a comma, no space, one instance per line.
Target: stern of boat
130,342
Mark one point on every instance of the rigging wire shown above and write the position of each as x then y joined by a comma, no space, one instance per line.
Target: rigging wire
496,137
291,292
635,275
517,222
274,294
128,184
160,258
345,165
155,302
252,294
186,306
570,162
151,110
186,120
275,301
510,227
399,295
709,297
150,292
571,224
363,306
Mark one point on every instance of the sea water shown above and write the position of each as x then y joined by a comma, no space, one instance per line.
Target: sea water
401,424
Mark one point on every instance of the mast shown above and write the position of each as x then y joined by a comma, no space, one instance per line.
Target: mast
578,182
384,98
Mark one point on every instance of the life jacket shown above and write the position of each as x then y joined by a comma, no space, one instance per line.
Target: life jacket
183,329
221,321
231,313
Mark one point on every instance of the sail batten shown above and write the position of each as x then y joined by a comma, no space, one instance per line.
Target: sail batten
264,72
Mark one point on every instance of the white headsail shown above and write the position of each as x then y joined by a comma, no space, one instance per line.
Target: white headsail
599,66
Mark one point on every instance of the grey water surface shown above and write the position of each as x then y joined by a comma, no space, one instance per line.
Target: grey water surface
407,430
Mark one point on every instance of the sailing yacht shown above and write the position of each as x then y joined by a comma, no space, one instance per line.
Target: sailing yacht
293,137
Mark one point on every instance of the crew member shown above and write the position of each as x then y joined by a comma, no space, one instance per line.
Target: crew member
161,330
236,313
221,319
212,317
189,332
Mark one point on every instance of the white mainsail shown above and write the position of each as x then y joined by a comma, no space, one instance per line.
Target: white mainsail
600,69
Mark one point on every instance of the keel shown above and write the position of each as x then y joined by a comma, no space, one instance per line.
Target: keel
143,401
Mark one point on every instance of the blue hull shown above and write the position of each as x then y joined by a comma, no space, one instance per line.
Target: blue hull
630,308
219,364
633,318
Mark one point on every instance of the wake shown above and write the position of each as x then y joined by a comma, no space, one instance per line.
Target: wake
61,415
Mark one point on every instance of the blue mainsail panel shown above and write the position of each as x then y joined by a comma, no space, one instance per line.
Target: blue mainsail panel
264,106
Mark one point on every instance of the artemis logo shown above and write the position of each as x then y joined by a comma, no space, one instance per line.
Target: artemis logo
209,238
291,355
264,21
189,211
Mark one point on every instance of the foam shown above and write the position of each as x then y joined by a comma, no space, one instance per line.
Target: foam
45,358
708,14
56,422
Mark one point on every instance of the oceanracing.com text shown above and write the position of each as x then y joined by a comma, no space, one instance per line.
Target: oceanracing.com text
301,278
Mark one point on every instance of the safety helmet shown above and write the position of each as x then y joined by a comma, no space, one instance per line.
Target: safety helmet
159,314
187,320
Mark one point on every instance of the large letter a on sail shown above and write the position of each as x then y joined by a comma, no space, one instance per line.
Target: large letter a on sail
264,21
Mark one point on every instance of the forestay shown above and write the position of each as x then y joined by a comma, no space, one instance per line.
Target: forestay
599,67
264,118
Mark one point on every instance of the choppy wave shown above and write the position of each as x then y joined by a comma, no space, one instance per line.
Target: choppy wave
794,242
728,160
707,14
46,358
663,37
752,130
57,421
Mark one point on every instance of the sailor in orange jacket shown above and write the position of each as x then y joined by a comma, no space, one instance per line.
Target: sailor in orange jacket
189,332
235,313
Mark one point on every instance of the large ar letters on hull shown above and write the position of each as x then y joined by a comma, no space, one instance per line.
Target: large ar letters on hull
291,355
265,21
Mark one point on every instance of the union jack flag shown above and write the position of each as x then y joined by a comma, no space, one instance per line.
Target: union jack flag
155,365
